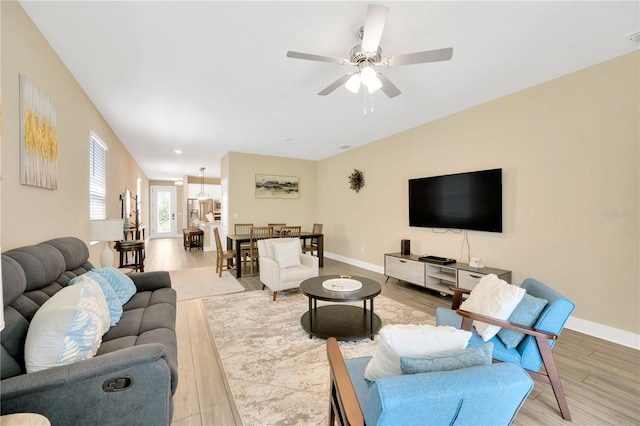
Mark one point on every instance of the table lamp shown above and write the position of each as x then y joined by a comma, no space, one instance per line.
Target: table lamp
106,230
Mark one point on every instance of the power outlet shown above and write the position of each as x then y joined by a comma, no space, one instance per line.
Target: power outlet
361,249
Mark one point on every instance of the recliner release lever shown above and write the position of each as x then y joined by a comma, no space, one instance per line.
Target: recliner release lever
117,384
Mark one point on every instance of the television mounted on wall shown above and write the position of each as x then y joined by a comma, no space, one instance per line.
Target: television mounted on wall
471,201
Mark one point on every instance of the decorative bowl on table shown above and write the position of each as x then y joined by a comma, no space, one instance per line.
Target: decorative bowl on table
344,283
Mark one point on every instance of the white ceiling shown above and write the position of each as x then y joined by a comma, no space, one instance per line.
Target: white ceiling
210,77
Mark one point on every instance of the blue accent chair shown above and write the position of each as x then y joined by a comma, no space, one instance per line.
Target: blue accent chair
489,394
535,348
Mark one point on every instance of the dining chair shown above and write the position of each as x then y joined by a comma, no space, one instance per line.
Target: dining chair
276,227
222,256
243,229
313,245
257,233
290,231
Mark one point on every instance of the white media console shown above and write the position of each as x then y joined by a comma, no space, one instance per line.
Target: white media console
435,276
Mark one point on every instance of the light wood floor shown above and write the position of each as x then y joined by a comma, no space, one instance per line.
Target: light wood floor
601,379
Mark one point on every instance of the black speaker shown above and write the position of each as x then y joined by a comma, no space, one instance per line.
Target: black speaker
405,247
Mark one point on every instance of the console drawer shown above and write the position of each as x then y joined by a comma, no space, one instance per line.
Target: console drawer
468,279
410,271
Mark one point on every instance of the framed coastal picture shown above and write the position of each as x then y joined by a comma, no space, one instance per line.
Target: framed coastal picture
273,186
38,137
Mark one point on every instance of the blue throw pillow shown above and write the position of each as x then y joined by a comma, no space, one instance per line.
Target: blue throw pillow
113,302
470,357
526,313
121,284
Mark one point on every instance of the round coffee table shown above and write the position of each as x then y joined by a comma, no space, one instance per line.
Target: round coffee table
344,322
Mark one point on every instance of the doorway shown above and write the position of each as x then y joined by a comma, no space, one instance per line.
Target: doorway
163,211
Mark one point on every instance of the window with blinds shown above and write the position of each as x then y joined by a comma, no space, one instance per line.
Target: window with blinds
97,178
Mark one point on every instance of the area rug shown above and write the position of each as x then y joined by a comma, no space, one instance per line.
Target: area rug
202,282
277,375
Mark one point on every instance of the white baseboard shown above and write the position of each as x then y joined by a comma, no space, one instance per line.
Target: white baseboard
601,331
605,332
360,264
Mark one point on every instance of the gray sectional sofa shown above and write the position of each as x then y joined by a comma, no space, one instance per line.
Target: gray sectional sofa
134,375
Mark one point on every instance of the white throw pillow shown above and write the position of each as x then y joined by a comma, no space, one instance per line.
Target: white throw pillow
287,254
494,298
68,327
408,340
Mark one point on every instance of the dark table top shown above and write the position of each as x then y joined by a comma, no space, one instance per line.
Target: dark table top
244,238
313,288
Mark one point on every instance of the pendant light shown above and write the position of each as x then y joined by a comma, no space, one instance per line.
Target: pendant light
202,196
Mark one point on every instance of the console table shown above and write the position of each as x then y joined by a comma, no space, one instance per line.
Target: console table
437,277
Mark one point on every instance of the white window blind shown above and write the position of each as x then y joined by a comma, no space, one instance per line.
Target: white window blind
97,178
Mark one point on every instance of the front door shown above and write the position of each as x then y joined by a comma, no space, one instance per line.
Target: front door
163,211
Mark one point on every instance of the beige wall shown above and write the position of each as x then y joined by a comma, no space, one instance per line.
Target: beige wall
29,214
569,153
207,180
240,169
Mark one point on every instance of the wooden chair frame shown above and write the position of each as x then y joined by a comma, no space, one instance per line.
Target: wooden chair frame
243,229
222,256
541,337
344,406
258,233
313,246
276,226
290,231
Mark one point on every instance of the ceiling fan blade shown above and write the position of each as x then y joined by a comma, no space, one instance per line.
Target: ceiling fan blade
420,57
310,57
373,27
333,86
388,87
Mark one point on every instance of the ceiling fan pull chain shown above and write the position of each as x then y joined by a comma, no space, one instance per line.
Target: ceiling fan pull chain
364,94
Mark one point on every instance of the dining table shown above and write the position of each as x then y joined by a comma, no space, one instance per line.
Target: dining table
235,241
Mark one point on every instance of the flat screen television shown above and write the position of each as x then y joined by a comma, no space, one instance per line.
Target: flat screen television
459,201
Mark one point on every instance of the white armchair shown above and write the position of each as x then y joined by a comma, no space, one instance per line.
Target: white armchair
283,265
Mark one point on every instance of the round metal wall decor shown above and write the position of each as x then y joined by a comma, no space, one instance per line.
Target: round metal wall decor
356,180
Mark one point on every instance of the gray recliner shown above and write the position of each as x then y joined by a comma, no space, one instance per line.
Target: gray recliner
134,375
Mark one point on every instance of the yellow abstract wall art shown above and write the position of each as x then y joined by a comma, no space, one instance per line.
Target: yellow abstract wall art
38,137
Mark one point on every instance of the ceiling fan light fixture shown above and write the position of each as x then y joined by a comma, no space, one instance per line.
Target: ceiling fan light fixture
374,85
368,76
353,84
367,56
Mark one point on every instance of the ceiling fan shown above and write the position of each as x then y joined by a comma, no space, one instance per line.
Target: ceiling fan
366,56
